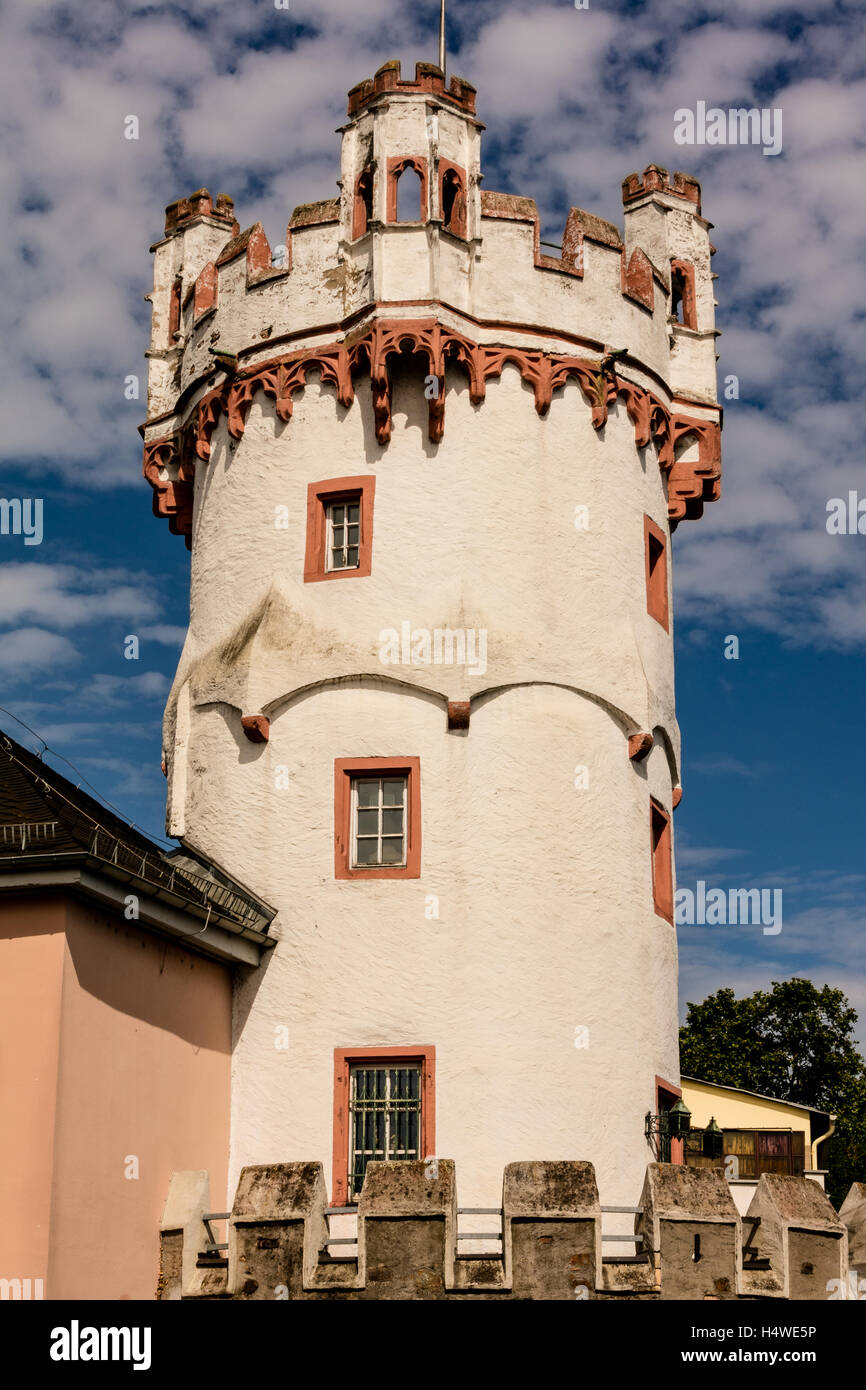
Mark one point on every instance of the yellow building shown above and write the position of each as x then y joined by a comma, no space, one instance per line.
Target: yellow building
760,1134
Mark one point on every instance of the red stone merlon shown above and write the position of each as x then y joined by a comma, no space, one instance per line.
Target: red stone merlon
254,244
428,78
183,211
658,180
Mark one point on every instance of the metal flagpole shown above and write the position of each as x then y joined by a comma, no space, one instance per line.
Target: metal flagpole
442,35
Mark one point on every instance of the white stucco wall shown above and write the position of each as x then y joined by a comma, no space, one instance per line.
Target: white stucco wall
546,918
545,924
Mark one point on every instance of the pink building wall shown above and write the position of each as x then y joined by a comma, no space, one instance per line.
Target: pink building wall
119,1053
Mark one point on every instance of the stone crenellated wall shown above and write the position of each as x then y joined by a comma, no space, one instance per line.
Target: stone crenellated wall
691,1241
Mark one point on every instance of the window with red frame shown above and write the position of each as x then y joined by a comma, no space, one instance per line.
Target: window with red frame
656,557
662,861
339,529
384,1111
377,818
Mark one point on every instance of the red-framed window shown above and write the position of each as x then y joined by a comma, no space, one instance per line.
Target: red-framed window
339,529
662,861
377,818
452,197
384,1110
656,559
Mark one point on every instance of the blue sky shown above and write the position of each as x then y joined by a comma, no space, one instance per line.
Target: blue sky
245,99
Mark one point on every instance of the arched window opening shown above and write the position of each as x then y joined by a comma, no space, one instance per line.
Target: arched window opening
363,210
409,195
174,309
683,307
453,203
678,290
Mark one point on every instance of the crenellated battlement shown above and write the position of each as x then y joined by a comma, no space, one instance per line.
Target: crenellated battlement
656,179
221,294
429,80
199,204
689,1239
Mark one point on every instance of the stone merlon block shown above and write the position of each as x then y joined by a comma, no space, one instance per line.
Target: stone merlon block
277,1229
853,1213
181,1233
800,1234
691,1226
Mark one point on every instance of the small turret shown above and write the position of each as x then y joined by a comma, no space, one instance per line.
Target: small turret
196,230
663,221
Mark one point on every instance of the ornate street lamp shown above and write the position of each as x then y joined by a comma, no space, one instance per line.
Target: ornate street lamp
667,1125
714,1140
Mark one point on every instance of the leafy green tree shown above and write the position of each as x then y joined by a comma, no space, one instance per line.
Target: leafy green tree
795,1042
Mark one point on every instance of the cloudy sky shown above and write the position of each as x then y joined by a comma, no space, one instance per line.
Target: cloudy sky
243,97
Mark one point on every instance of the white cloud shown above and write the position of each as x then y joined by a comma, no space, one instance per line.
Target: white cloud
69,596
573,101
165,634
110,691
31,650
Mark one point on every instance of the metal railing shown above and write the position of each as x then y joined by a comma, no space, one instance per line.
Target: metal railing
635,1240
480,1235
213,1247
36,832
461,1235
206,892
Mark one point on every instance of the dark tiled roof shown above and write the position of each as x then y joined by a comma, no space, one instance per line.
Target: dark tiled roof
45,820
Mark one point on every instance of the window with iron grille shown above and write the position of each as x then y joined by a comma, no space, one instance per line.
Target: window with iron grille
379,822
384,1118
344,534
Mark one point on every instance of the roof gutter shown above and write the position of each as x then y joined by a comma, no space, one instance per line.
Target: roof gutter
219,937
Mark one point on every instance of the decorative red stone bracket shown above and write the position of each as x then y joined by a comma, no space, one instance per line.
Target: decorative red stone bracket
257,727
458,714
638,746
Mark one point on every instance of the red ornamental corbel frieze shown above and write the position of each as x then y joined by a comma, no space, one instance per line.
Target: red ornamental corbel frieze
210,408
172,497
690,484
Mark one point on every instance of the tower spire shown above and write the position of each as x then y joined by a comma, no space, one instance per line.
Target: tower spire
442,35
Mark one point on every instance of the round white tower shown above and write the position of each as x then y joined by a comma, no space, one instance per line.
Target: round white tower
426,703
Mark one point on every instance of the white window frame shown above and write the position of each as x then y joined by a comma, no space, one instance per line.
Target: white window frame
381,808
355,500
